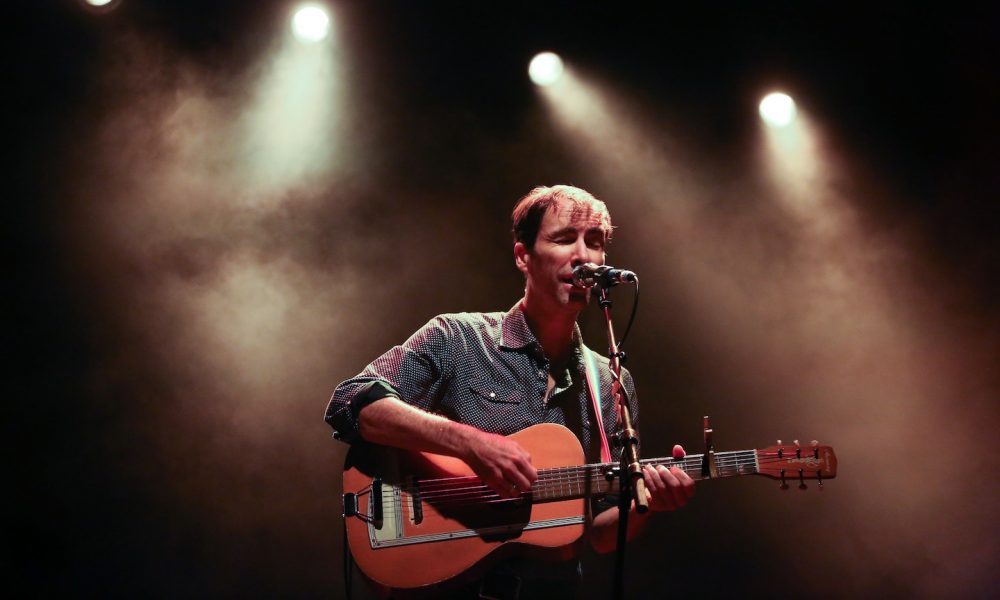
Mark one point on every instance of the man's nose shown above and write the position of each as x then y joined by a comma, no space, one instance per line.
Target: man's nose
579,256
584,254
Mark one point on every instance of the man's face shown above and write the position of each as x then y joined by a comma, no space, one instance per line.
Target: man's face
570,235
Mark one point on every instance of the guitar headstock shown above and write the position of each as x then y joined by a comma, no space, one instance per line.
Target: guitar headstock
796,463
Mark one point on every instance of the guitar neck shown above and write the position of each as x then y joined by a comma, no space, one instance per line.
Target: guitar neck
565,483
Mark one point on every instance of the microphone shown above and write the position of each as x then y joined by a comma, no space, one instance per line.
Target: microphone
588,275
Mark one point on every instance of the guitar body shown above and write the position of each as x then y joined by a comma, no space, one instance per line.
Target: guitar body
438,521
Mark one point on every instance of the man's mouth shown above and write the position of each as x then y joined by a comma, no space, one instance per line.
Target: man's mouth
571,283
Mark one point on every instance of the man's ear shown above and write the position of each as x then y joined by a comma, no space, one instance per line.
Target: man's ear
521,257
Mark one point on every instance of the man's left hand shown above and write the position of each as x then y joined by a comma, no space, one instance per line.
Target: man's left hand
667,489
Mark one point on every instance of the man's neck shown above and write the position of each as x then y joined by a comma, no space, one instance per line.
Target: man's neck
553,329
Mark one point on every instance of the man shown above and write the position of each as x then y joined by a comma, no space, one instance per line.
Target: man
464,381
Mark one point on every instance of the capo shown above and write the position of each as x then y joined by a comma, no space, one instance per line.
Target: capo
708,467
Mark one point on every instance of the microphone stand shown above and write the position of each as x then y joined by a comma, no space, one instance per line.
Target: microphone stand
630,482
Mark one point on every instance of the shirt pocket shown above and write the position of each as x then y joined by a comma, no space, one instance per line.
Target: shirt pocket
491,394
498,408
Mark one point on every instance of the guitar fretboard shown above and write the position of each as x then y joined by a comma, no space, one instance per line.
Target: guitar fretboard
566,483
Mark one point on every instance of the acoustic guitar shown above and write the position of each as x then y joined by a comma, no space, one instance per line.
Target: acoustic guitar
417,519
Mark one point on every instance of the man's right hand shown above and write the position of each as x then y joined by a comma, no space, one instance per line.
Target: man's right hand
501,463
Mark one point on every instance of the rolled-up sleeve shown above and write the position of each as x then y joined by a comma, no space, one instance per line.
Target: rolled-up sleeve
416,372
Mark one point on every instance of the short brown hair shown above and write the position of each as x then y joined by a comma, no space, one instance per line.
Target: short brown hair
529,210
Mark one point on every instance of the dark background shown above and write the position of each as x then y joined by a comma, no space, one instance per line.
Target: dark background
178,320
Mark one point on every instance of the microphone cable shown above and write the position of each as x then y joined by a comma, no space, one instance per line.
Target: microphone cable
631,319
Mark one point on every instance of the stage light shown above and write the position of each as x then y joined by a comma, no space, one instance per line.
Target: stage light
545,69
99,6
777,109
311,23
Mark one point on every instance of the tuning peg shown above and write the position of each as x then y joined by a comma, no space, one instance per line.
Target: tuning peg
780,452
815,445
802,481
798,449
819,478
783,486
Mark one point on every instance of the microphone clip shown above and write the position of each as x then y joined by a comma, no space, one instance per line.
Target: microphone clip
605,276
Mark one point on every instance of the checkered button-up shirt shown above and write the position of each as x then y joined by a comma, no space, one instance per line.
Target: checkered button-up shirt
486,370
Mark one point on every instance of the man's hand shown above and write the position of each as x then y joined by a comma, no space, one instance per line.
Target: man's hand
503,464
667,489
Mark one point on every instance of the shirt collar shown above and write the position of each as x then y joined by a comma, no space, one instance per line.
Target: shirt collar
514,330
515,333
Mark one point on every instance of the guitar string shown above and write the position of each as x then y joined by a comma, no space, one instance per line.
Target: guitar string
687,463
485,498
568,475
542,489
578,476
480,494
540,486
433,518
561,477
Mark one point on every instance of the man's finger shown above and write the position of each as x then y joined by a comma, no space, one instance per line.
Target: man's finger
687,484
522,474
518,480
672,485
652,478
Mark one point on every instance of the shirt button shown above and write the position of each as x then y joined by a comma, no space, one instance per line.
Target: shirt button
493,394
541,374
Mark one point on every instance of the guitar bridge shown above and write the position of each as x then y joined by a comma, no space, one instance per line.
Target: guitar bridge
416,505
350,505
377,500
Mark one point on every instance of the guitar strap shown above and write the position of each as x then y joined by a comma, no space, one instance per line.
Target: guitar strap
594,387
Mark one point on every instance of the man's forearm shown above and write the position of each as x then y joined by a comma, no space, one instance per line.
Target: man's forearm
604,528
502,463
666,489
391,422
